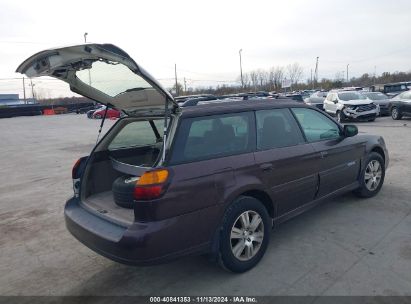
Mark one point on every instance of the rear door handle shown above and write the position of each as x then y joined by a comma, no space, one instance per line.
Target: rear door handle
266,167
324,154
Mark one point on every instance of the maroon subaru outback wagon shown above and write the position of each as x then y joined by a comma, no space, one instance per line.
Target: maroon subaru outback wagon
167,181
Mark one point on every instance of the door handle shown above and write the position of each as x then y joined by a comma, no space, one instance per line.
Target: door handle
266,167
324,154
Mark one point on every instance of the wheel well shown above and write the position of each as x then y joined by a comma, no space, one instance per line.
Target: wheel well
379,151
263,198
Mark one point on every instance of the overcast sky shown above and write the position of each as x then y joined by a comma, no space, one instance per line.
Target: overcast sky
203,37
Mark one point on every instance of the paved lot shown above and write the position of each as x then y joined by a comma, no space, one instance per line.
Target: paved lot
348,246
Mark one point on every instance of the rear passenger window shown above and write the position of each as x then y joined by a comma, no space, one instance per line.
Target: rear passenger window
316,126
276,129
212,136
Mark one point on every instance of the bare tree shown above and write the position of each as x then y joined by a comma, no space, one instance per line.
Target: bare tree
295,72
276,76
254,79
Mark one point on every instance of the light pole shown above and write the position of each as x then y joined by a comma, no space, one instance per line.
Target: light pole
89,77
241,69
347,72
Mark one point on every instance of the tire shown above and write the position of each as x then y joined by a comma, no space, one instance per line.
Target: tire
368,174
372,119
340,116
123,189
395,114
232,224
97,116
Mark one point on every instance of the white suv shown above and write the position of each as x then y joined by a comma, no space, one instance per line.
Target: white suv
350,105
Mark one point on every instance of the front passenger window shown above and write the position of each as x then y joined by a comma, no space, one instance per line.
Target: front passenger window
316,126
276,129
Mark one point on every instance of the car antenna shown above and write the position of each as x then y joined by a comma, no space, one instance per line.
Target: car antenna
102,123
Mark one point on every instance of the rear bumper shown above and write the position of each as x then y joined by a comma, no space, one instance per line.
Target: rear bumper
139,244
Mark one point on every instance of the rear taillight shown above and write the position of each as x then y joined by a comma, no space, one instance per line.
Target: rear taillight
151,185
75,169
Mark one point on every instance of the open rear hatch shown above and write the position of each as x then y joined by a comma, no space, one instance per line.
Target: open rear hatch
108,75
104,73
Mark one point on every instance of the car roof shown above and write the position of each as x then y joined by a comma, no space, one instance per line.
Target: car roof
239,106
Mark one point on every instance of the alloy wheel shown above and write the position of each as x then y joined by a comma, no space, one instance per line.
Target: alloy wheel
247,235
373,174
394,113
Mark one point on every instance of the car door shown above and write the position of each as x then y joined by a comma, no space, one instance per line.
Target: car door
287,164
210,157
406,102
339,157
329,104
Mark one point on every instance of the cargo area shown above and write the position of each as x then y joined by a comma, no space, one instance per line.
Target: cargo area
107,190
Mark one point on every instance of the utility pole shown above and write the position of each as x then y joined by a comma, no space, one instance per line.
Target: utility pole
185,86
375,73
311,79
347,72
32,89
241,69
316,71
89,77
24,91
175,73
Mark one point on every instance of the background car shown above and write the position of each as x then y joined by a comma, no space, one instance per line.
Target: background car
380,99
94,108
350,105
400,105
111,113
316,99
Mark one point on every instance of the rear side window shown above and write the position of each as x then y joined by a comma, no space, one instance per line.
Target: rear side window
213,136
276,129
316,126
137,134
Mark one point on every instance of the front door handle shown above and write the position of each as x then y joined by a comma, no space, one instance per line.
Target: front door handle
266,167
324,154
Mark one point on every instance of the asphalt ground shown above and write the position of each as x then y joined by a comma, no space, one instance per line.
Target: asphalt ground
347,246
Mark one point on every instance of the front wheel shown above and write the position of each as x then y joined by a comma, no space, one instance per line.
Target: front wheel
97,116
372,176
395,114
340,116
245,234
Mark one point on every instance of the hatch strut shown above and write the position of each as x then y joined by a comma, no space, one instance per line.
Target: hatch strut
102,123
163,157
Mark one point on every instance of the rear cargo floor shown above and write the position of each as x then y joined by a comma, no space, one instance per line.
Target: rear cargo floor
104,204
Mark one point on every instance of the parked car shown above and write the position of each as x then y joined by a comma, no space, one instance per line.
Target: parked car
316,99
85,110
111,113
347,105
216,180
95,108
400,105
381,100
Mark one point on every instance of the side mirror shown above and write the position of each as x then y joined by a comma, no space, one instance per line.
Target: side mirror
350,130
335,101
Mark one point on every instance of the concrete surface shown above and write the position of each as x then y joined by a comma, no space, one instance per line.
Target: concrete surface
348,246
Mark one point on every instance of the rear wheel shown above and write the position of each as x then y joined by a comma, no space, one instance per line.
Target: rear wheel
244,235
395,114
372,176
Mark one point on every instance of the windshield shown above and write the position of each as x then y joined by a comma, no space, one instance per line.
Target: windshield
376,96
350,96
